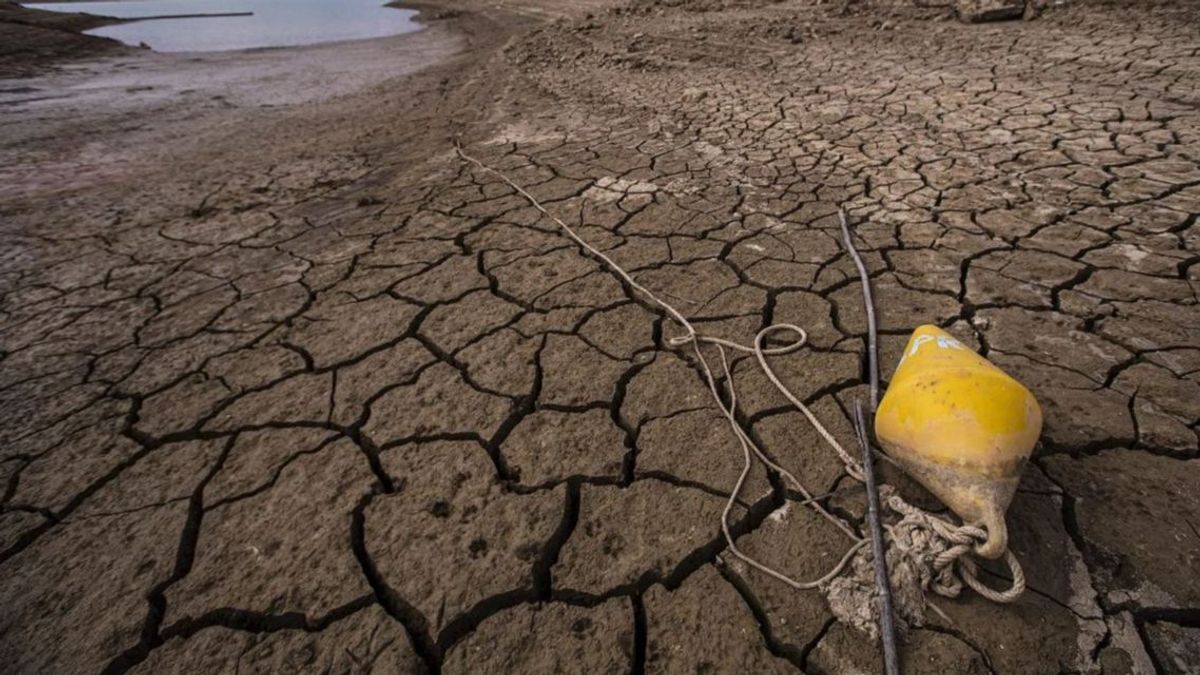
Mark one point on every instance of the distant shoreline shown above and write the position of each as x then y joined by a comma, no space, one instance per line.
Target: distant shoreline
33,40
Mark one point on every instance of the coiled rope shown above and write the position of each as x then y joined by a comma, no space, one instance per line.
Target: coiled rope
930,553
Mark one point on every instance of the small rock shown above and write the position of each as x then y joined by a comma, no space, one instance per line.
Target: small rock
978,11
1034,8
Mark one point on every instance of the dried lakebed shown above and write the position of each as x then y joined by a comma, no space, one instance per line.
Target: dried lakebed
294,388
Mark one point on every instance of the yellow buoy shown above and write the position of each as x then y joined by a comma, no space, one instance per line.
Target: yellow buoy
961,427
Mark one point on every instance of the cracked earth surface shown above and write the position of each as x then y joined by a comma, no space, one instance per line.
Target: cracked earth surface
307,393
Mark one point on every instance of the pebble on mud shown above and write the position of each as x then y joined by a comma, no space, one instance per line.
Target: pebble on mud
978,11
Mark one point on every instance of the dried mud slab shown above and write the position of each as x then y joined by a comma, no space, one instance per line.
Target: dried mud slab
451,538
704,626
549,638
1117,505
280,552
842,651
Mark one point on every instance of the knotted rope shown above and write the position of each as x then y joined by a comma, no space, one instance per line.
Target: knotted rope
931,554
944,548
925,553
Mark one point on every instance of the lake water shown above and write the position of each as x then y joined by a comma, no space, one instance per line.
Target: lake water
274,23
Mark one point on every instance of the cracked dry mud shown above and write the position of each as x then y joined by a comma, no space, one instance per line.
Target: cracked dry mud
309,394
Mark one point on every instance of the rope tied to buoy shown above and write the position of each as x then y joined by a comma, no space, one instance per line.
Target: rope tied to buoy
924,551
948,548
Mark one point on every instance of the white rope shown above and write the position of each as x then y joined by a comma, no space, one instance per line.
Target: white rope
944,539
946,548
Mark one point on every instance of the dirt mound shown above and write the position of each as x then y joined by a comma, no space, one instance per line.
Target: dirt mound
32,39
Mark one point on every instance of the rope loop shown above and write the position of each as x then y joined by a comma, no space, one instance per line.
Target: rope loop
967,569
692,337
947,551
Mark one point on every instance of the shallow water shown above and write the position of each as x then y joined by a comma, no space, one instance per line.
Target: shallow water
274,23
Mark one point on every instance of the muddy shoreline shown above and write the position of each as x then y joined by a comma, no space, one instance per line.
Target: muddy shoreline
32,41
74,133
